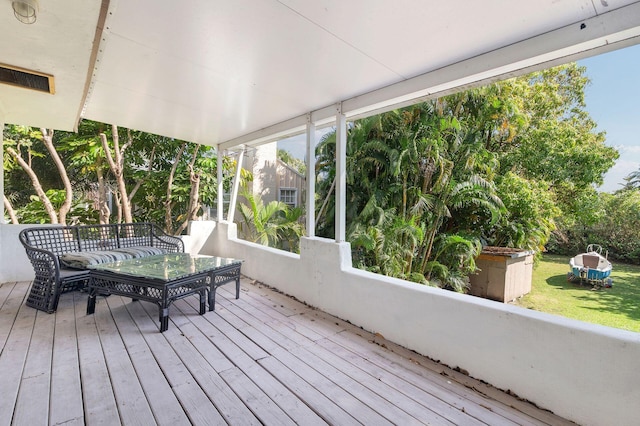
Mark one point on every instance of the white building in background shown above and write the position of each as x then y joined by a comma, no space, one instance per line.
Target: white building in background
273,179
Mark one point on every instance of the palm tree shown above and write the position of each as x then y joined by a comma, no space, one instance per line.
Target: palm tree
409,172
271,224
633,180
453,260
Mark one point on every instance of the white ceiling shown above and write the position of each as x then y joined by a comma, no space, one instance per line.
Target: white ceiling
216,71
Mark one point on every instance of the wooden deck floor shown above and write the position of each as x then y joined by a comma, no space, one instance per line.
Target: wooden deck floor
262,359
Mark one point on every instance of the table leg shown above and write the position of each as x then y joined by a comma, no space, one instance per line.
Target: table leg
203,301
212,298
238,286
164,319
91,302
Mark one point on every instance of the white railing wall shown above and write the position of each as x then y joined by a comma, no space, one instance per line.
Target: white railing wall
14,263
586,373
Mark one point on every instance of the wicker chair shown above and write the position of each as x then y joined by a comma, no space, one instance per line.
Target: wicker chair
45,246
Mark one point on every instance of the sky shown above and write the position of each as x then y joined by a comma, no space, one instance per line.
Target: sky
613,101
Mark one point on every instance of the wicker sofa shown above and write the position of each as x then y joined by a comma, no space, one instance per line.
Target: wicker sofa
59,254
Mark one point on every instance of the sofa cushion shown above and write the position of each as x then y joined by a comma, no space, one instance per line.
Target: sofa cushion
82,259
141,251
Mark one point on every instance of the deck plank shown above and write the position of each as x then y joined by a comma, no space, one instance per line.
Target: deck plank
430,397
263,407
262,359
12,361
482,409
367,396
352,405
197,405
258,391
194,349
388,407
32,405
134,408
287,401
421,405
66,388
97,393
12,299
289,336
306,327
438,410
371,398
407,377
489,399
163,402
418,410
455,413
289,333
5,291
306,318
248,317
326,408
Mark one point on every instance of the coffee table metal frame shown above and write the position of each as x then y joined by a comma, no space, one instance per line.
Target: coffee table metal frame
163,292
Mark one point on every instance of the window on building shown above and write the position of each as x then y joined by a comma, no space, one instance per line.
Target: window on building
289,196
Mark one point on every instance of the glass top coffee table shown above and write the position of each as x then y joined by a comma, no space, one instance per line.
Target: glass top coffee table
164,278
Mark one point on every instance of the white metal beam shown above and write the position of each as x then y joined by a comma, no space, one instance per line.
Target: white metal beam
517,59
220,209
341,175
607,31
236,185
311,178
294,126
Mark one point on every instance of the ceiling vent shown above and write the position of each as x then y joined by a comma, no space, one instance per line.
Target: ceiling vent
28,79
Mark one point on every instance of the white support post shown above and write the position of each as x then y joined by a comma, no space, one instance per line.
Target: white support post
236,184
220,209
341,175
311,177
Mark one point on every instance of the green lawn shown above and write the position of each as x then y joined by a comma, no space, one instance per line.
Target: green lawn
618,306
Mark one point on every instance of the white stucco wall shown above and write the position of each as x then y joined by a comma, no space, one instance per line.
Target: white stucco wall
586,373
14,263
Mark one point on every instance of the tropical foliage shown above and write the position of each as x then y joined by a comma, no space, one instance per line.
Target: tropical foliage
613,221
20,150
274,224
147,177
287,158
429,185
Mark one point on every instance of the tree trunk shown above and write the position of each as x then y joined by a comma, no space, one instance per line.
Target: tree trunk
194,194
427,253
47,138
51,211
117,167
404,195
168,220
116,201
9,208
326,201
141,181
103,206
194,199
